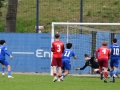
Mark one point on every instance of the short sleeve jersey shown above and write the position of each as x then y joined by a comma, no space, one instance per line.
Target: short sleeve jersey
57,49
68,53
115,51
103,51
3,51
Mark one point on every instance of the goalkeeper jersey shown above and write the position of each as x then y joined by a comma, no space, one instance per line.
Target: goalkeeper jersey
91,62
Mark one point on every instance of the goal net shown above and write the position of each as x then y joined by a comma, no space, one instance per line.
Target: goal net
85,37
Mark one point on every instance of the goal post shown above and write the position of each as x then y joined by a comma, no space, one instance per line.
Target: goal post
68,28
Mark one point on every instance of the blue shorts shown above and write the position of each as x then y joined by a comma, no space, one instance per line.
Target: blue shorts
4,62
66,65
114,62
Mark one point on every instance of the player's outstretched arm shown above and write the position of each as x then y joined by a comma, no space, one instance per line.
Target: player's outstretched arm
82,67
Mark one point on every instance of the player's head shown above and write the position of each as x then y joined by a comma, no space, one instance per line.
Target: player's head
57,36
68,45
86,55
2,42
104,43
114,40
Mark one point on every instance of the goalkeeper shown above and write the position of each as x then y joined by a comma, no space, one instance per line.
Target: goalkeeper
90,62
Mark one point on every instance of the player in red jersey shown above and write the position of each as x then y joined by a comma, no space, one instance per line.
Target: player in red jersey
57,49
102,56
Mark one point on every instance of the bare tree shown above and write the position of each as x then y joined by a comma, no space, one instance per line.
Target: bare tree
11,16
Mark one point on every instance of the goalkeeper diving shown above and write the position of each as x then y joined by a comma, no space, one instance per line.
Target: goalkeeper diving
90,62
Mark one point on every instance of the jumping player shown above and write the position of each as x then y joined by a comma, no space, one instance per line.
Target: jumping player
3,61
57,49
102,56
68,53
115,55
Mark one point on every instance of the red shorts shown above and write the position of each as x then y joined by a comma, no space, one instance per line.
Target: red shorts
103,62
56,62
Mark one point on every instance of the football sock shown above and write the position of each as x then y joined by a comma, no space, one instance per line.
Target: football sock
9,73
63,75
100,70
3,70
59,76
54,74
115,72
105,74
111,73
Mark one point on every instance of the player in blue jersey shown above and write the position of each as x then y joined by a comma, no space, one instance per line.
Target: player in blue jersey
114,57
3,61
68,53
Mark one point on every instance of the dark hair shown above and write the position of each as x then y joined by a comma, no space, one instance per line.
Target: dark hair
104,43
86,55
57,35
114,40
68,45
2,42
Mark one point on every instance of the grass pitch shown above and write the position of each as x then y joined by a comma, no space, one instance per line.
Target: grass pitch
44,82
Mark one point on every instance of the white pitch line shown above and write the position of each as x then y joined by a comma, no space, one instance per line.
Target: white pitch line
22,52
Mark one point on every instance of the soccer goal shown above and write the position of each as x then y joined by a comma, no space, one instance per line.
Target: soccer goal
85,37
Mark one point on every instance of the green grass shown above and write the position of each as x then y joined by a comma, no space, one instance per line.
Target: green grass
63,11
44,82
